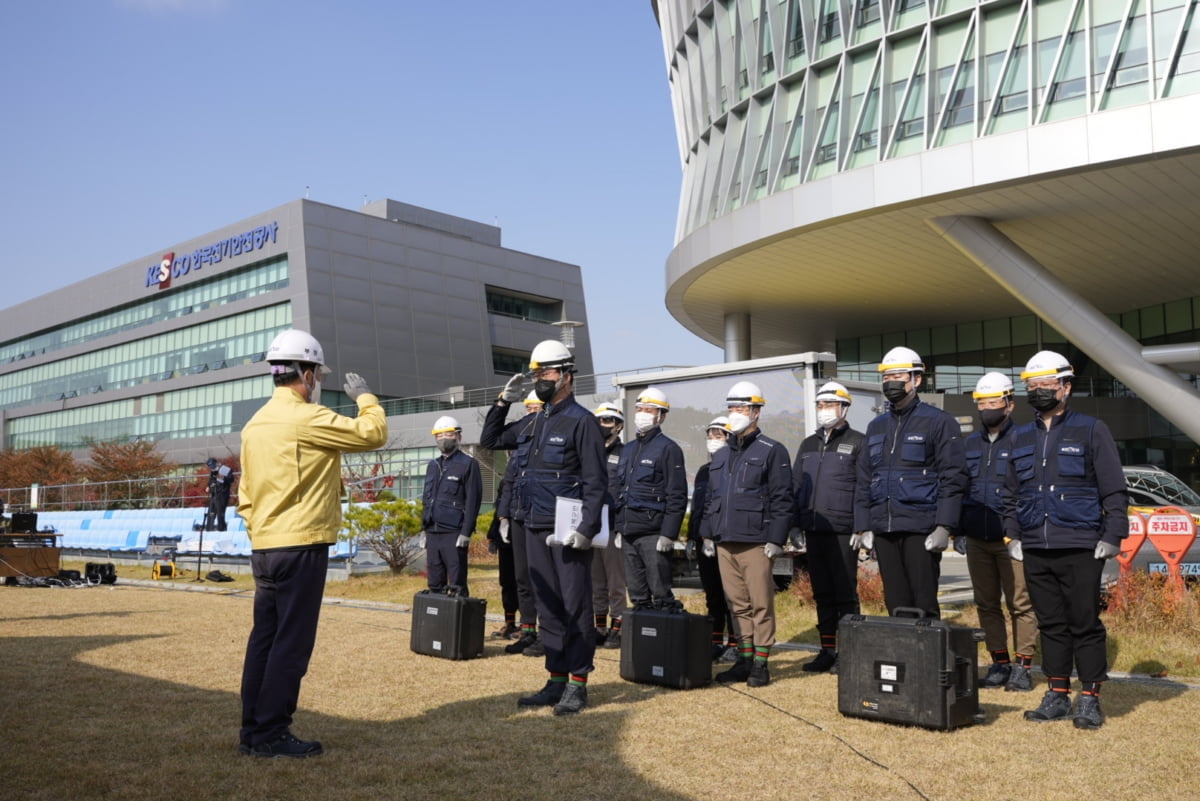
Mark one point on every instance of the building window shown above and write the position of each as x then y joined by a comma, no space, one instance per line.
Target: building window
868,12
509,362
829,27
522,306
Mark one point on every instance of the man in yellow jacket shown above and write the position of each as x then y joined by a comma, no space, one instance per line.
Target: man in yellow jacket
290,498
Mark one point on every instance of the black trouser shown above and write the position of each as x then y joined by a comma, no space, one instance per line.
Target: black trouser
508,577
647,572
217,504
445,562
910,573
1064,585
288,585
833,571
714,592
562,586
525,602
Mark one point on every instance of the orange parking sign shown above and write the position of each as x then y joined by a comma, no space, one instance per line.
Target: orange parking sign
1133,543
1172,531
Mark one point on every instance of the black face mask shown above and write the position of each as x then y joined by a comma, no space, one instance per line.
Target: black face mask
448,446
544,389
608,430
895,391
992,417
1043,399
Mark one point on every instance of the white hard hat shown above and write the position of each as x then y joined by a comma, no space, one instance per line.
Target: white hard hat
833,391
744,393
294,345
445,424
993,385
551,353
721,422
652,396
1047,363
609,410
533,400
901,358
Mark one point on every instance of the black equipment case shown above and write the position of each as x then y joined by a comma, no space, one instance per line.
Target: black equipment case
449,626
917,671
667,646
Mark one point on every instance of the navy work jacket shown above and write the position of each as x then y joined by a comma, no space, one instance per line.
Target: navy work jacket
453,491
749,492
826,470
652,487
912,475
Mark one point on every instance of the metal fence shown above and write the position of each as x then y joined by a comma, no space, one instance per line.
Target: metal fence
167,492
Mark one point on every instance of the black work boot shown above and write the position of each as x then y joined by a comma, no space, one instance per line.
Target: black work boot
549,695
287,745
825,660
997,675
574,698
536,649
739,672
527,639
1054,706
759,676
1019,680
1087,714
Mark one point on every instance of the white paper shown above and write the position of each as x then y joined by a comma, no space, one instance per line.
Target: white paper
567,514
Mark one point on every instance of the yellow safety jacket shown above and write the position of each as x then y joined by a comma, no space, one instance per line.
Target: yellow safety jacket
291,486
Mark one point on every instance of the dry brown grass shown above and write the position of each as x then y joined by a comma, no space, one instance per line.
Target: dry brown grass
131,692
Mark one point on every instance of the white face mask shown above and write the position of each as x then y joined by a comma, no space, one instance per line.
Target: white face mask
828,418
715,445
314,390
738,422
645,421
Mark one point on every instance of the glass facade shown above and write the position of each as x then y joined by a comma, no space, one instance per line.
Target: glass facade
225,288
230,341
202,411
770,94
957,356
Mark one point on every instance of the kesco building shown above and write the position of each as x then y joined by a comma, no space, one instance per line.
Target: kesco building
975,179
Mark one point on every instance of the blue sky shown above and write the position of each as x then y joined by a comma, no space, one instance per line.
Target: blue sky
131,125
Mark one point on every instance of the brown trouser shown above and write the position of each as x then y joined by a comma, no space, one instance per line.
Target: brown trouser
993,571
750,590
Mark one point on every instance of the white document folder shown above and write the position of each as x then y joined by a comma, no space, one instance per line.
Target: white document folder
567,514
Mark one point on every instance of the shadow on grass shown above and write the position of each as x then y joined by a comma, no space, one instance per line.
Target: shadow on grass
72,729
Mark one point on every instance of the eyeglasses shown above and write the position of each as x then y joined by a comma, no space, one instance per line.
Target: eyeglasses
835,405
546,372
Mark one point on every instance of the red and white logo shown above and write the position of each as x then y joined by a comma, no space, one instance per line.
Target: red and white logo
164,270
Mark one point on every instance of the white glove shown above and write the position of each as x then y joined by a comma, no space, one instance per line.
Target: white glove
710,549
462,542
512,390
938,539
960,544
504,529
355,385
617,541
664,544
863,540
577,541
771,550
1014,550
1106,550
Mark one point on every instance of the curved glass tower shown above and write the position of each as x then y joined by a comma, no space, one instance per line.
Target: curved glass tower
974,178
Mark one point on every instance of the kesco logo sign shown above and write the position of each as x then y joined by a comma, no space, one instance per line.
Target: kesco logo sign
170,266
